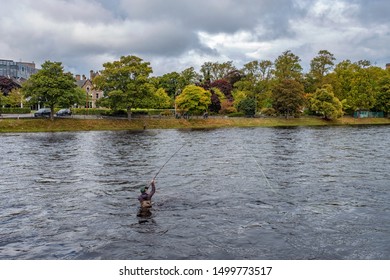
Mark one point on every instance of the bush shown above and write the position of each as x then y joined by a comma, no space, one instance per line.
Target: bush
236,115
115,113
227,107
89,111
167,113
15,110
269,112
247,106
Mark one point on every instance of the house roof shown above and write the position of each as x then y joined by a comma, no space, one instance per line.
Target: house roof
8,84
81,83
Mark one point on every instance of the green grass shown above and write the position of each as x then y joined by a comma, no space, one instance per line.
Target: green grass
45,125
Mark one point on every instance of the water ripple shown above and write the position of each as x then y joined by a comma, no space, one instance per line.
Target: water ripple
259,193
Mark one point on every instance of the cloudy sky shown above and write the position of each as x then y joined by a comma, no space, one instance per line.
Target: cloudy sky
176,34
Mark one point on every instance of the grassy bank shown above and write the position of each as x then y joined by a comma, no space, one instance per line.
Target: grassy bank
44,125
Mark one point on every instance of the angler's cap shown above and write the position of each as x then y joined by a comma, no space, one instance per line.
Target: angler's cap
143,189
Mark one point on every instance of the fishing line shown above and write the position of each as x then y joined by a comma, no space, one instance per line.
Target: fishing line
162,167
262,171
265,176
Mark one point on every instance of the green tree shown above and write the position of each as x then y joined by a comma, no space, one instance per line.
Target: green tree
288,67
324,102
188,77
79,97
212,71
238,96
383,96
170,82
320,66
125,83
161,100
288,98
258,70
257,80
193,100
357,84
50,86
247,106
15,98
3,101
362,94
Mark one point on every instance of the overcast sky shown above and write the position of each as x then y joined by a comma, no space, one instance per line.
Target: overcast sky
176,34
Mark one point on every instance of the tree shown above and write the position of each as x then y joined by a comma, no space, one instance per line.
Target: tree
79,97
224,86
383,96
15,98
258,79
357,84
324,102
3,100
125,83
193,100
217,97
227,107
50,86
258,70
212,71
170,82
288,98
247,106
287,67
239,95
320,66
161,100
188,77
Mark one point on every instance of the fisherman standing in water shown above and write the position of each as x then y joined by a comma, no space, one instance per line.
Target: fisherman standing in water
145,200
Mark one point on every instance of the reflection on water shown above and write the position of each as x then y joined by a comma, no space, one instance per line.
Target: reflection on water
261,193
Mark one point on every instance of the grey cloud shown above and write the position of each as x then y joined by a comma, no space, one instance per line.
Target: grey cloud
374,11
69,11
87,32
213,15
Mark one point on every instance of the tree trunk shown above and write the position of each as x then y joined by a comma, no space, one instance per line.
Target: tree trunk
52,113
129,114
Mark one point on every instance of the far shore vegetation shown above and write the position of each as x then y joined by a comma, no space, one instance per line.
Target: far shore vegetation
269,93
68,124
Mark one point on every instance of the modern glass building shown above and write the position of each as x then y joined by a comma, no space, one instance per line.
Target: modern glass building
17,70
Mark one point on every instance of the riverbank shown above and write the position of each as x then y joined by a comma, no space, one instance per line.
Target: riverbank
45,125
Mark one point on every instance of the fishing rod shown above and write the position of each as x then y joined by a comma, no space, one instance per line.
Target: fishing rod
162,167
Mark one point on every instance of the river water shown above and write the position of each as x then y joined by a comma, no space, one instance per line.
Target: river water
255,193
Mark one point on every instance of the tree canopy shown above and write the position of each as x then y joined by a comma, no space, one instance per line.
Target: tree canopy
270,86
51,87
324,102
126,83
288,97
193,100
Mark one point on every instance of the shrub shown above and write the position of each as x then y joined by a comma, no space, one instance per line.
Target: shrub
269,112
227,107
247,106
236,115
89,111
15,110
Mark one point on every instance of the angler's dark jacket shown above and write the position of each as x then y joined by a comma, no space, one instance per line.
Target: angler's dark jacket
144,197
